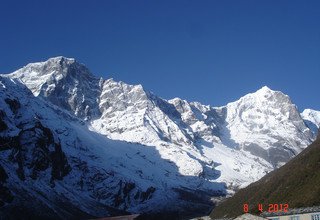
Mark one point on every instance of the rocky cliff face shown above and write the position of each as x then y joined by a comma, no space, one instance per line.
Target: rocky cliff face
69,137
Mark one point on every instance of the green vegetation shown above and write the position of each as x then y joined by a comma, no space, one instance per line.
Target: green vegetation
297,184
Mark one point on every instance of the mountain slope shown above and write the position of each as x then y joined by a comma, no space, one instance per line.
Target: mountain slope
297,184
51,157
121,148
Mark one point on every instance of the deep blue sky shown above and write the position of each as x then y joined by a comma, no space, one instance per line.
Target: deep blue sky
208,51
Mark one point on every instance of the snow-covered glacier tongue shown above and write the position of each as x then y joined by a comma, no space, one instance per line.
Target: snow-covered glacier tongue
83,146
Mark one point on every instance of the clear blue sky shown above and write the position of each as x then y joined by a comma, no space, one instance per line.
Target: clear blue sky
207,51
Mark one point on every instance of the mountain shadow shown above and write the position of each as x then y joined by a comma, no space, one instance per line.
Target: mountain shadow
53,167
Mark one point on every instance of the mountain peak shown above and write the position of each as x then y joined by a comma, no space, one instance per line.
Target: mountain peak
65,82
265,89
53,61
265,93
61,59
54,68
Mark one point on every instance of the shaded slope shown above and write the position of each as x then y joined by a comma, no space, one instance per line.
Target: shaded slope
51,158
297,183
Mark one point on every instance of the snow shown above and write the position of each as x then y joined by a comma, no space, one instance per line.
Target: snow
123,129
312,119
266,118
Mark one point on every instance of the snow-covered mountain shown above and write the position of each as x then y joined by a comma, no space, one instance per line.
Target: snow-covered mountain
267,124
312,119
83,146
65,83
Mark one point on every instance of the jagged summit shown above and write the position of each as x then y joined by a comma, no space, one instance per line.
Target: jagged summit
63,81
262,98
56,66
257,121
62,58
51,62
266,93
266,89
57,60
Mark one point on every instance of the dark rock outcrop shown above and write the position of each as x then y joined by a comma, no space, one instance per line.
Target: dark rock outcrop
5,194
36,150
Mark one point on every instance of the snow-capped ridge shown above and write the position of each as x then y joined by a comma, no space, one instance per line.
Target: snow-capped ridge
265,89
258,121
59,59
208,147
54,61
127,112
313,115
56,67
312,119
266,93
64,82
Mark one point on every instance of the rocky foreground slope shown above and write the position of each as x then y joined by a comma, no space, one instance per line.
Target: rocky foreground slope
77,145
